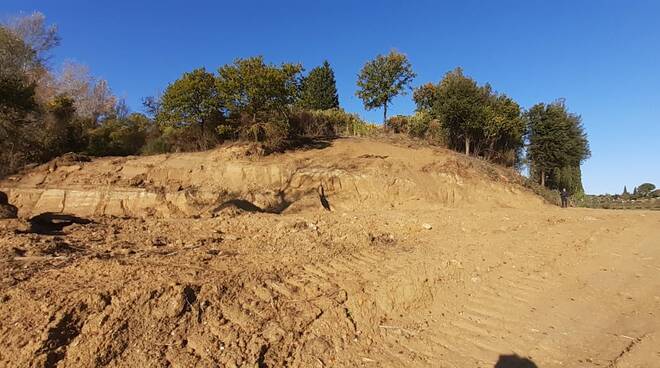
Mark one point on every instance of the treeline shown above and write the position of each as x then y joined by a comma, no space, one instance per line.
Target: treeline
44,113
250,100
460,114
644,196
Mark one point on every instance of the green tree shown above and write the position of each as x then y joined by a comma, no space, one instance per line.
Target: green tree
644,189
384,78
319,89
119,135
503,130
190,100
18,106
557,145
425,96
460,105
16,59
258,97
190,111
63,130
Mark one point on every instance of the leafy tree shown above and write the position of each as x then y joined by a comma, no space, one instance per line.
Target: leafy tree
460,105
16,59
18,107
503,130
190,100
384,78
644,189
319,89
424,97
257,97
63,131
473,118
119,136
557,145
190,110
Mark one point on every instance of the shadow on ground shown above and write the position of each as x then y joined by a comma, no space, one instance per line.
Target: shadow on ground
514,361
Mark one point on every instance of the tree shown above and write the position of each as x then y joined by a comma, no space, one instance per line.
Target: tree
645,189
190,111
190,100
319,89
557,145
503,130
119,135
18,106
474,118
384,78
36,34
257,97
625,191
459,103
424,97
93,98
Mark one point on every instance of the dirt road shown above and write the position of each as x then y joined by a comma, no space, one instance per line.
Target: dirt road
572,288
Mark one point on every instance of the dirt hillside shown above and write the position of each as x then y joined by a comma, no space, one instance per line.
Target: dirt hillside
228,259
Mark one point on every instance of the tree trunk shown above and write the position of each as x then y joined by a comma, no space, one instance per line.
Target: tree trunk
384,113
543,178
467,145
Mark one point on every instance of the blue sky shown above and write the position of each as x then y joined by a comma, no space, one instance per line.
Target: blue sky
602,56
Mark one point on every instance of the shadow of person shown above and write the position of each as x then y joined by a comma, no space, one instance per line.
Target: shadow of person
514,361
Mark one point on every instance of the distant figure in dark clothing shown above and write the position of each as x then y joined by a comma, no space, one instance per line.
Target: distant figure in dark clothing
564,198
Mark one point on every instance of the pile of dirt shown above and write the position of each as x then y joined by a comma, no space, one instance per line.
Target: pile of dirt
354,173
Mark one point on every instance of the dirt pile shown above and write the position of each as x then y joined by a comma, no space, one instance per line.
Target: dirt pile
409,276
355,173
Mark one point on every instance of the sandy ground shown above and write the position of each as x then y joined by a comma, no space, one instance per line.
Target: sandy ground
374,286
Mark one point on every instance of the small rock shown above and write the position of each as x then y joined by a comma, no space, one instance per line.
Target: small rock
427,226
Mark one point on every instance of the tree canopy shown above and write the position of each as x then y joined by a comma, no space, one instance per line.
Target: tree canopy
192,99
319,90
257,96
557,145
384,78
475,119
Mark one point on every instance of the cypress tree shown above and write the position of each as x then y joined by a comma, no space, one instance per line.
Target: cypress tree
319,89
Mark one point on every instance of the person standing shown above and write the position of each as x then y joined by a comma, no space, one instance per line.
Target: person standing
564,198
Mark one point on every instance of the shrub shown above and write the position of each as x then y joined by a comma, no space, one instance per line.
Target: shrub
116,138
328,123
398,124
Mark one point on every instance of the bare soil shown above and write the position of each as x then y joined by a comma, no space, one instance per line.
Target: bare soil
427,259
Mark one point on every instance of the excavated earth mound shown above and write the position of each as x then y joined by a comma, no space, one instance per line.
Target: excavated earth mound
354,173
226,259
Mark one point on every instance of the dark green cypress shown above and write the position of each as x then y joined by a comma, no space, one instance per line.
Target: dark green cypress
319,89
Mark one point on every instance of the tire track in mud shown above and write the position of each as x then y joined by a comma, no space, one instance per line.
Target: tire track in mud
492,316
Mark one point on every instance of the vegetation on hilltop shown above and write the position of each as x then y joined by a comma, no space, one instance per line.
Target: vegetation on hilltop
45,113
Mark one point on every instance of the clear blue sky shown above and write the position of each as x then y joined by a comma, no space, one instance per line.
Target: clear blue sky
602,56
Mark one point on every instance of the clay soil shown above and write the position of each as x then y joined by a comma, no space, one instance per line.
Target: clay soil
479,272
